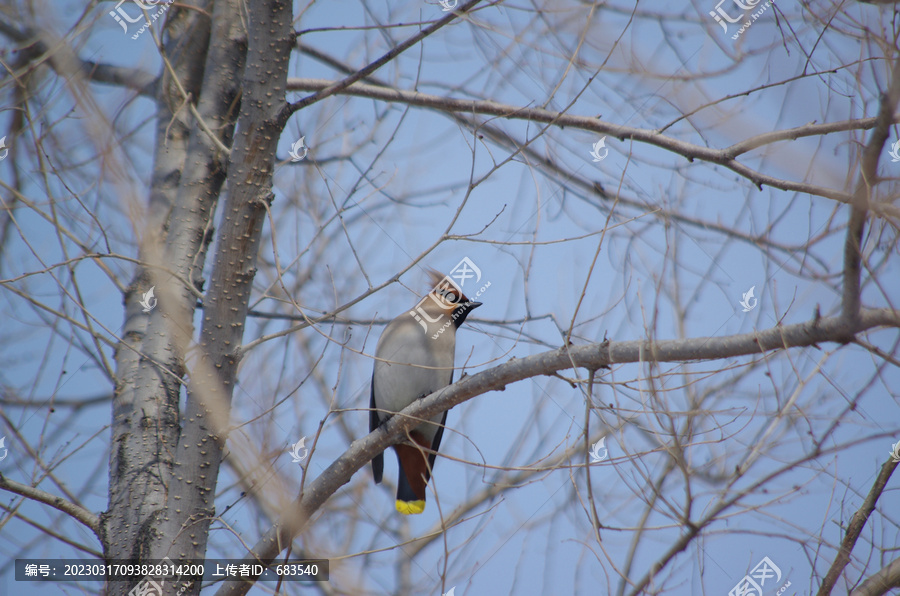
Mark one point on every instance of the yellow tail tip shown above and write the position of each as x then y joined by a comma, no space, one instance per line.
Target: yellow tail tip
410,507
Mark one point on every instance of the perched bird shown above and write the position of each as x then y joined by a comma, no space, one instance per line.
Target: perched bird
413,359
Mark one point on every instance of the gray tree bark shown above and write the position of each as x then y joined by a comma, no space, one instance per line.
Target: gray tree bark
163,467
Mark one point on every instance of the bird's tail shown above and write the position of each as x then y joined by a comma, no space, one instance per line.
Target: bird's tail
414,475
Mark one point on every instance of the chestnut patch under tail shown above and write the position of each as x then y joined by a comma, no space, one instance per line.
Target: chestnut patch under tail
415,470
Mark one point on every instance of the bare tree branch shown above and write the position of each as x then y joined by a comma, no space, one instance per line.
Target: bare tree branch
591,357
725,157
128,77
855,528
338,86
878,584
863,199
80,514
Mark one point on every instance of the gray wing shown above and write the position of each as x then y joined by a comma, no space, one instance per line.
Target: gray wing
375,422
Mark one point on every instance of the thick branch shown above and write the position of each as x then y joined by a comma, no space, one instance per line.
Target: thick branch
186,180
862,197
855,528
877,585
592,356
35,494
149,365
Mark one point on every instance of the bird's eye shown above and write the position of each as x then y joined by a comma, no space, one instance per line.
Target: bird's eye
449,296
448,293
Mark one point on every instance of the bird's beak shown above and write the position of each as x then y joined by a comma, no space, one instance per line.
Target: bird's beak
474,305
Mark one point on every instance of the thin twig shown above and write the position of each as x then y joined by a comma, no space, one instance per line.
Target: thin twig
691,151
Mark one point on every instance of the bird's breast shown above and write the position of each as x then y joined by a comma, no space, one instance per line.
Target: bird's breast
411,362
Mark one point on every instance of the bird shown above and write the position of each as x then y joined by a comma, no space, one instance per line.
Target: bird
413,359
